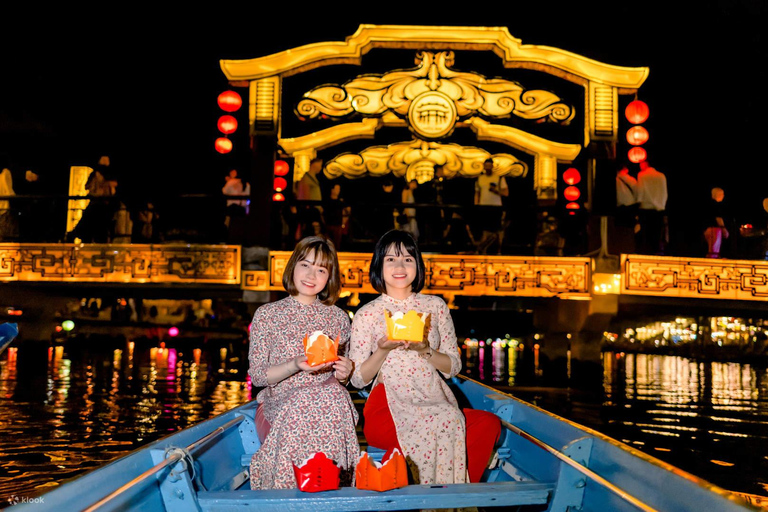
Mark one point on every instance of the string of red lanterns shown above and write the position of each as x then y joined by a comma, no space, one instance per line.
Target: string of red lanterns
228,101
637,112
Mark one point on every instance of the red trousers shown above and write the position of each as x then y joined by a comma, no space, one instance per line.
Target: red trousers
483,430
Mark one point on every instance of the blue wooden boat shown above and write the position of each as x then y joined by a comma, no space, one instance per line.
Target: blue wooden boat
543,462
8,333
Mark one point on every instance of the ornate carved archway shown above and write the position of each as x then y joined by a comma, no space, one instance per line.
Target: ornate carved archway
437,102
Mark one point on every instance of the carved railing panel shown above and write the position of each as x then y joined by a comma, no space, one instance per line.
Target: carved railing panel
694,277
121,263
458,275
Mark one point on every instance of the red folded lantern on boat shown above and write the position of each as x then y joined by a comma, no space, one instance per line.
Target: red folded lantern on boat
391,474
317,473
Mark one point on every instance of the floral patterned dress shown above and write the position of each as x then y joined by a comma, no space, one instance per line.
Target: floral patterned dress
308,412
430,425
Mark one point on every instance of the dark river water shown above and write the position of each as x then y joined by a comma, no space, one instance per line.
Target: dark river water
65,409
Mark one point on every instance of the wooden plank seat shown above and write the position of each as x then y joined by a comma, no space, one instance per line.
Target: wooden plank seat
501,494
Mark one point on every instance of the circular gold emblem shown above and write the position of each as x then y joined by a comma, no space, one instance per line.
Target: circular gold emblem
432,115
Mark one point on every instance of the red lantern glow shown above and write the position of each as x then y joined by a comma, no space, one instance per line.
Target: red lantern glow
637,155
572,176
571,193
637,135
572,206
637,112
227,124
229,101
278,197
223,145
281,168
280,184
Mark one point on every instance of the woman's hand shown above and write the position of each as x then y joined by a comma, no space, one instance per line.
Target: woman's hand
343,368
386,344
419,347
302,365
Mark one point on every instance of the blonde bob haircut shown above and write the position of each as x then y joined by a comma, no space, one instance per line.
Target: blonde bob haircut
325,255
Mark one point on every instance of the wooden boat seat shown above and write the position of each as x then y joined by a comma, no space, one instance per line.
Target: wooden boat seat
406,498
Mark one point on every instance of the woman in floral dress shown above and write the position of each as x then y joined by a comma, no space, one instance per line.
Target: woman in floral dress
410,406
302,409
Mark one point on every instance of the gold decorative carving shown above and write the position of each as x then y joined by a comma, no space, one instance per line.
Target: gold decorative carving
264,105
694,277
464,275
416,160
603,112
118,263
570,66
432,97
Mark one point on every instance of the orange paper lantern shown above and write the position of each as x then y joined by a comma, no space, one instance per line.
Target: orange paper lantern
229,101
637,135
223,145
227,124
392,474
572,193
637,112
572,176
278,197
320,349
637,155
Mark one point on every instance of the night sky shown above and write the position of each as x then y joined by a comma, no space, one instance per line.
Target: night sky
142,86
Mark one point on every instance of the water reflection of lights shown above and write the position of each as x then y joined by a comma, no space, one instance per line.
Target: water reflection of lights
503,353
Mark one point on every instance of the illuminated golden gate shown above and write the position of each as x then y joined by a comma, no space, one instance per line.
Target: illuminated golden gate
435,104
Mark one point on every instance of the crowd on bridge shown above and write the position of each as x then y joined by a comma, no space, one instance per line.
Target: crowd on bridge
486,214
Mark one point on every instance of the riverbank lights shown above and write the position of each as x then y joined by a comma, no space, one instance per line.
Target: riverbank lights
637,112
637,135
637,155
67,325
173,332
229,101
227,124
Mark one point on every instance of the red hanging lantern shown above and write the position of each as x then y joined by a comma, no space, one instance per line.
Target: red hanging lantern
229,101
572,206
571,193
281,168
223,145
637,155
280,184
227,124
637,135
637,112
278,197
572,176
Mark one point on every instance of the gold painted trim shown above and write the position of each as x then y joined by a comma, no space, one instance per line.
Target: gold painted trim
365,129
526,142
569,66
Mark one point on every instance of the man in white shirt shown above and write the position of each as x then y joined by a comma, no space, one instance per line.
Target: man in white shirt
489,190
652,197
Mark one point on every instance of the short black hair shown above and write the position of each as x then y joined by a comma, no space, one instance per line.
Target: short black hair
402,241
